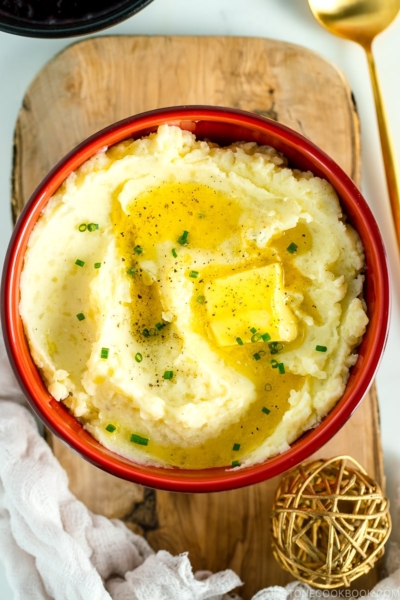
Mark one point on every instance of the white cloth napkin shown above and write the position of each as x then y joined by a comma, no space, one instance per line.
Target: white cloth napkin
53,547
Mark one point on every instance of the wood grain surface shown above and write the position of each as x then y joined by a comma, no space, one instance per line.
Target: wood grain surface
98,81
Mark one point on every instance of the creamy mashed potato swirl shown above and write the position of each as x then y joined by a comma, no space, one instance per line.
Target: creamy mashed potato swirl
193,305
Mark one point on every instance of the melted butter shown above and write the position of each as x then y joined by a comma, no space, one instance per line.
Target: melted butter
253,428
246,301
298,283
211,218
299,235
166,211
146,308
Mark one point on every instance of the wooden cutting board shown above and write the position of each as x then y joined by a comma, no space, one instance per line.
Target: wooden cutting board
98,81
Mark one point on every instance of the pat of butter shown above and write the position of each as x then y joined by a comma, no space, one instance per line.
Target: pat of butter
249,300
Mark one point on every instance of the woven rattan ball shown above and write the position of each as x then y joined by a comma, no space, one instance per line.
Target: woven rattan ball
330,522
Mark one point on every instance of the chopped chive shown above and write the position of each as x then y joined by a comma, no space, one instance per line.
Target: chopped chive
104,352
82,227
152,331
321,348
201,299
174,254
80,316
239,341
138,250
131,271
235,463
256,337
265,410
79,262
275,347
92,226
274,363
137,439
160,326
292,248
110,428
256,356
236,447
138,357
281,368
194,274
266,337
261,352
268,387
168,374
97,265
253,330
146,333
182,239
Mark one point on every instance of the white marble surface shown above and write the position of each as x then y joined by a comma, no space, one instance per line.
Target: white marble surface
288,20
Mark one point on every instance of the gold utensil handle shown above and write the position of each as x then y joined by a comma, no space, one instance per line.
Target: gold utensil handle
389,160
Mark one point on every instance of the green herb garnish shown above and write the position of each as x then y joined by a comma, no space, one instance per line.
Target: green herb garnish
92,226
80,316
79,262
138,357
131,272
256,356
268,387
174,254
82,227
137,439
235,463
168,374
183,239
201,299
266,337
194,274
110,428
104,352
253,330
274,363
146,333
265,410
138,250
239,341
275,347
281,368
236,447
97,265
256,337
160,326
292,248
321,348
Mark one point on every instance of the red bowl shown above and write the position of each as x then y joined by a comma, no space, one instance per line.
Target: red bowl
222,125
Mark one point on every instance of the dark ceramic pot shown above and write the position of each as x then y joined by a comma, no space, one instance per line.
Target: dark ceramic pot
64,18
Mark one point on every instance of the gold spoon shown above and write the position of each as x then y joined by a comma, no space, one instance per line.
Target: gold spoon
361,21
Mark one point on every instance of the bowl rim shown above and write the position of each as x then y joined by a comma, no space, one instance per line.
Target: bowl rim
114,15
174,479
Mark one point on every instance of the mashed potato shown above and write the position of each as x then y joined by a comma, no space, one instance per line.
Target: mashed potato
192,305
